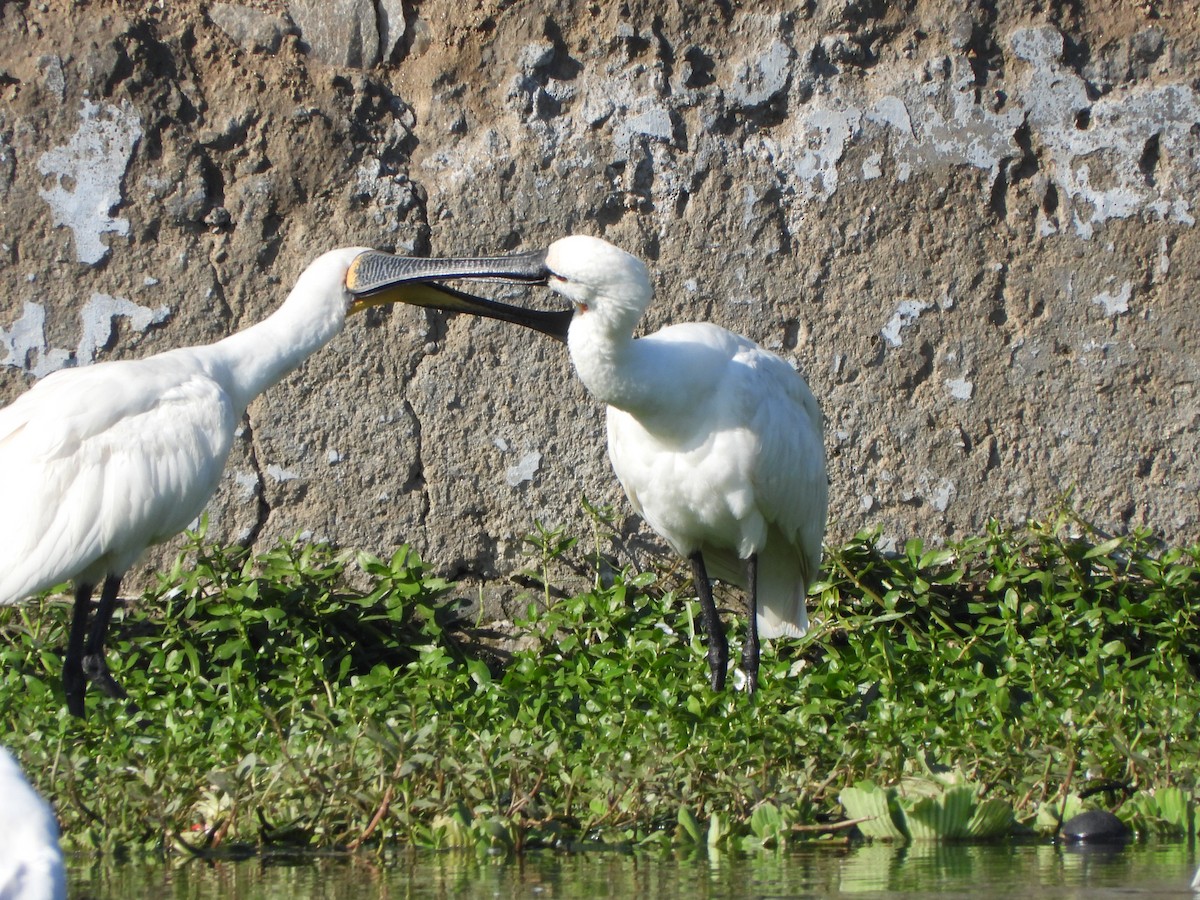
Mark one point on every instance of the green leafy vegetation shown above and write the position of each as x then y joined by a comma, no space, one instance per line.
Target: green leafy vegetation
312,698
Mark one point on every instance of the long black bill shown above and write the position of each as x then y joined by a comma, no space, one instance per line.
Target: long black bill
375,278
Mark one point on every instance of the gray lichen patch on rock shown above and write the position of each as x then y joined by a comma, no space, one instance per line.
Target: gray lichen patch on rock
86,174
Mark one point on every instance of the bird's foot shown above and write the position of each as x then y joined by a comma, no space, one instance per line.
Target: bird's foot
97,672
717,679
750,657
751,680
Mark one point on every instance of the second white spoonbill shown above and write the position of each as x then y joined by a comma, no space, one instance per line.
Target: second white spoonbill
717,442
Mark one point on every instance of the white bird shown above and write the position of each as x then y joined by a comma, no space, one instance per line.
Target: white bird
31,863
716,441
97,463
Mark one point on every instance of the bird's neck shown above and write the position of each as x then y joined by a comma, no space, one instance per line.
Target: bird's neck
613,366
257,357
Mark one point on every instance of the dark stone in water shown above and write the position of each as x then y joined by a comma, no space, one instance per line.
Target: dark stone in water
1096,826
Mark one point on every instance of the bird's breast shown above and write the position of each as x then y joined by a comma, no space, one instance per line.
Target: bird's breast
694,491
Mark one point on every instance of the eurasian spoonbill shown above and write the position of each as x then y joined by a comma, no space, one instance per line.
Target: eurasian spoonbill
99,462
716,441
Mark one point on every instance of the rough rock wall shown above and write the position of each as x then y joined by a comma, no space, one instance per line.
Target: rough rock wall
971,227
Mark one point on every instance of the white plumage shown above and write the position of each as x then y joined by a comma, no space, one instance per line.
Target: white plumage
735,476
100,462
717,442
97,463
31,863
105,460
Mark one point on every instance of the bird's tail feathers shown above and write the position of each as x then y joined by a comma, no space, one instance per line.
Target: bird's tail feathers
783,578
782,587
787,619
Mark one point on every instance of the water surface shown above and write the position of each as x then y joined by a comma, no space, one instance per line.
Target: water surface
872,870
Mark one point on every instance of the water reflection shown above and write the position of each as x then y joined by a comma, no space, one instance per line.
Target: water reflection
879,870
1015,869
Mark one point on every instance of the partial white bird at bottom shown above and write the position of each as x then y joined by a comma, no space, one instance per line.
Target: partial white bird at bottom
31,862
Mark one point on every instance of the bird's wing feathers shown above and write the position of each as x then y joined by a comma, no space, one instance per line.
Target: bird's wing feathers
735,420
789,474
99,462
789,485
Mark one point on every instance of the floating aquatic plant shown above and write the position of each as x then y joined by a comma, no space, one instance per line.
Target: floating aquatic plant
933,808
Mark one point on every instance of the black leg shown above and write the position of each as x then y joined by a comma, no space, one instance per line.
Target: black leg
94,664
718,646
72,676
750,649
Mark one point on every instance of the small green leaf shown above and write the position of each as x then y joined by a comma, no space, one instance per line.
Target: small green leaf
689,827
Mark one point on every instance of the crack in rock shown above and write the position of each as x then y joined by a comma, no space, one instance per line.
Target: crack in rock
259,491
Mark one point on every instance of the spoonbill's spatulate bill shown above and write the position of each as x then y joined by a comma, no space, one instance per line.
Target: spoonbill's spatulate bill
31,863
99,462
717,442
376,277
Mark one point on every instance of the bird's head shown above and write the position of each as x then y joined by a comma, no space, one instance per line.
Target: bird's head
598,277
